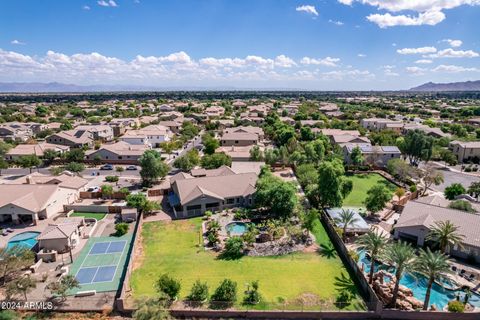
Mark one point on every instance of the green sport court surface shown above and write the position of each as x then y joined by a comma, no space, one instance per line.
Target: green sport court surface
101,263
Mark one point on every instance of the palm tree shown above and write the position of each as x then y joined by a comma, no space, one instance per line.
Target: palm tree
402,256
374,244
346,218
446,235
434,266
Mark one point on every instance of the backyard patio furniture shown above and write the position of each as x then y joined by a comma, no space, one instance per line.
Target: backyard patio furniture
9,230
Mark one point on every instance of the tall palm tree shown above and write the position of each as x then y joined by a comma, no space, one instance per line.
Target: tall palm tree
445,233
434,266
374,244
402,256
346,218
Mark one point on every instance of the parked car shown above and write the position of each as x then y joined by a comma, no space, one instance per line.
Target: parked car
94,189
106,167
132,167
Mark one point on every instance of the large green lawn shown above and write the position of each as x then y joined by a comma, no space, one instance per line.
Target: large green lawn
361,184
173,248
96,215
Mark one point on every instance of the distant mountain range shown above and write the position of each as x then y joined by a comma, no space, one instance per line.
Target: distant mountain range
454,86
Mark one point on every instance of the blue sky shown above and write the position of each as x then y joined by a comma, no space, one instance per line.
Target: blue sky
320,45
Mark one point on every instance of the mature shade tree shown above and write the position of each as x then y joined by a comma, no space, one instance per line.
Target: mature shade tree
75,167
29,161
329,191
356,156
76,155
417,145
61,288
377,198
435,267
210,144
22,285
306,134
13,260
256,154
448,157
3,164
216,160
189,130
278,196
346,218
454,190
315,151
400,169
49,155
107,191
446,235
374,244
271,156
188,161
430,176
306,174
153,167
402,256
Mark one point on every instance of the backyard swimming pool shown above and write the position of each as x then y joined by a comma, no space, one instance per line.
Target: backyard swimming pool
25,239
440,296
236,228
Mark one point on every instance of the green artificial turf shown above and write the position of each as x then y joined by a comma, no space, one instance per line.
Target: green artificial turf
96,215
361,184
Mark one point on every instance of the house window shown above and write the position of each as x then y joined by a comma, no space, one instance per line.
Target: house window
236,141
119,157
231,201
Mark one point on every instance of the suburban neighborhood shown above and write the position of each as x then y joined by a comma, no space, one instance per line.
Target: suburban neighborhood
108,209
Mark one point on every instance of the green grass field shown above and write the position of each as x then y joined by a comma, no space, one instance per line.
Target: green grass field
173,248
361,184
96,215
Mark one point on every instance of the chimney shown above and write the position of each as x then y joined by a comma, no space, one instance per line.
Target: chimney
29,180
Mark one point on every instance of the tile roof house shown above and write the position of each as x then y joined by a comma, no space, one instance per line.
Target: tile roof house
417,219
15,131
239,139
117,153
465,151
152,136
246,129
373,155
72,138
192,196
30,202
37,149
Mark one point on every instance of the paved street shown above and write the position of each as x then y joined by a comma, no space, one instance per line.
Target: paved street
453,177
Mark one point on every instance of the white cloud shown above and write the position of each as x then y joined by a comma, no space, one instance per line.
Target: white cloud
416,70
17,42
328,61
109,3
451,53
453,69
284,61
336,22
421,50
389,71
430,12
361,55
453,43
423,61
387,20
308,9
86,8
172,69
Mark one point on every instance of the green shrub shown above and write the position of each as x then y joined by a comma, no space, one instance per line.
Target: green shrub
8,315
121,229
168,286
226,292
199,292
233,248
252,296
456,306
413,188
462,205
111,178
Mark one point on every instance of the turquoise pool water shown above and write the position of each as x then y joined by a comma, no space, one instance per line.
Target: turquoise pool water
439,295
236,228
24,239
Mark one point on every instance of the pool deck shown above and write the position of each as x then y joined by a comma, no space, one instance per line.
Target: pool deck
21,228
